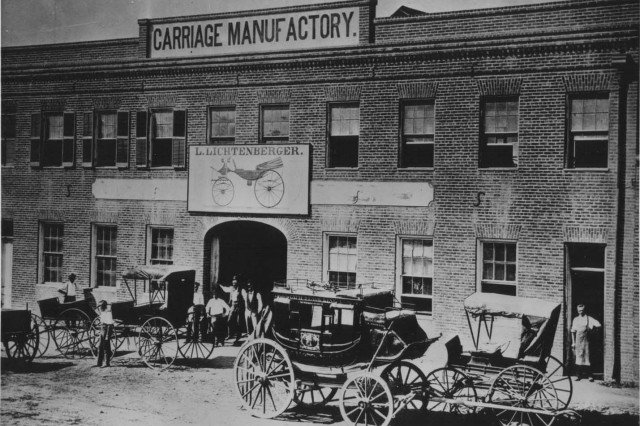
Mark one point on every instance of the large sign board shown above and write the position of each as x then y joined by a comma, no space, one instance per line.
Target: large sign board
250,179
261,33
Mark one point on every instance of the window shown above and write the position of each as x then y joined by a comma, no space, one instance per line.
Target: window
112,139
8,139
416,273
52,140
499,139
418,124
275,124
166,146
589,132
341,252
106,255
161,249
498,268
51,256
344,132
222,125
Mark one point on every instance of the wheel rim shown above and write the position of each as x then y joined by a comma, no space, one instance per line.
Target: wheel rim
43,335
562,383
366,399
194,350
222,191
405,378
524,387
269,189
72,334
264,378
450,383
23,346
157,343
308,396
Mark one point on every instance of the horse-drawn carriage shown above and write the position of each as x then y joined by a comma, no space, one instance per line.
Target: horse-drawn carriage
19,334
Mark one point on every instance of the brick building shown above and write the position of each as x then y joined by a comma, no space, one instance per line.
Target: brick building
489,150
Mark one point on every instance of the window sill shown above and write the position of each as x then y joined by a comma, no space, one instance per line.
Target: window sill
106,288
498,169
161,168
586,169
342,169
426,168
8,166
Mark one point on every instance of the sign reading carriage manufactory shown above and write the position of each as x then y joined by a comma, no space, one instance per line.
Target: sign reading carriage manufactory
259,179
268,32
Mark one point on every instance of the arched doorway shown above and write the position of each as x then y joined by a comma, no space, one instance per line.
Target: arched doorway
252,249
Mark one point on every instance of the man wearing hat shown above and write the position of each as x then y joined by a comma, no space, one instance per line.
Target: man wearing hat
69,289
106,331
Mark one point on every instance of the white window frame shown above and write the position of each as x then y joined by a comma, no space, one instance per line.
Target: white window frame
399,269
150,244
425,138
326,272
224,139
95,256
480,266
274,139
42,253
9,137
582,135
501,135
337,134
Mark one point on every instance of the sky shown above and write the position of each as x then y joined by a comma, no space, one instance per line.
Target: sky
28,22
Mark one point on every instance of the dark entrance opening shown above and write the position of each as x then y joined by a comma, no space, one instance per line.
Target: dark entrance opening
251,249
585,277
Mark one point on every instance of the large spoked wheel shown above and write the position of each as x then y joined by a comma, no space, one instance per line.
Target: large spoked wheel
264,378
408,383
366,400
96,330
222,191
201,348
72,334
157,343
43,335
22,346
269,189
527,389
312,396
450,383
562,382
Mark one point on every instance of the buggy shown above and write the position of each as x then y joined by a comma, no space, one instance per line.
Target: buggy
19,334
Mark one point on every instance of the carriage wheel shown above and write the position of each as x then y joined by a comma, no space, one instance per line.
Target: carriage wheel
269,189
96,331
72,334
523,387
222,191
450,383
404,378
366,399
561,382
311,396
43,335
157,343
201,349
23,346
264,378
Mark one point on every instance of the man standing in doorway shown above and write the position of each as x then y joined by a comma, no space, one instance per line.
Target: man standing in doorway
237,308
581,328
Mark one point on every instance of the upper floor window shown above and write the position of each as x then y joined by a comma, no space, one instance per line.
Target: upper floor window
275,124
52,139
344,133
498,263
499,139
161,246
222,125
588,145
341,254
8,139
416,273
51,252
418,127
165,143
106,255
111,139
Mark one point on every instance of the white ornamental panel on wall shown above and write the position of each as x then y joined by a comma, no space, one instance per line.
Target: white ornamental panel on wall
252,179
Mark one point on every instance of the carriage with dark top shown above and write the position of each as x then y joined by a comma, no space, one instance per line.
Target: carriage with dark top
321,340
19,334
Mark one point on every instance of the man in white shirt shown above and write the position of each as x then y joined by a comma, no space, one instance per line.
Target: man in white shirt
106,332
236,315
198,314
217,310
581,327
69,289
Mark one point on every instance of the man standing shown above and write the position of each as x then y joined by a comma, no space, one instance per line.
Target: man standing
106,332
217,310
69,289
581,326
237,308
253,306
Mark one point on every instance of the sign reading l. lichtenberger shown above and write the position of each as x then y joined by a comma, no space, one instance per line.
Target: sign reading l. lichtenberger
261,33
256,179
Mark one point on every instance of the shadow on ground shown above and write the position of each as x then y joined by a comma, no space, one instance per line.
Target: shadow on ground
20,367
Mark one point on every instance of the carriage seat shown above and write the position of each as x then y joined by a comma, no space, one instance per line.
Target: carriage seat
383,319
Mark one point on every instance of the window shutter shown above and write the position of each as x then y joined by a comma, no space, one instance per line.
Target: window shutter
122,134
36,139
87,140
179,139
68,134
142,156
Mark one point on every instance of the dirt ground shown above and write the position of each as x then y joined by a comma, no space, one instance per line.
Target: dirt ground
54,390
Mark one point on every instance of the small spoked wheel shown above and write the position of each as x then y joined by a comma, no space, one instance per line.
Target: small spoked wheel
200,348
561,381
72,334
311,396
43,335
450,383
22,346
407,383
366,400
527,389
264,378
157,343
269,189
222,191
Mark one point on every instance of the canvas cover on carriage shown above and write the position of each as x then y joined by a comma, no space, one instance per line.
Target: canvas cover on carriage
538,319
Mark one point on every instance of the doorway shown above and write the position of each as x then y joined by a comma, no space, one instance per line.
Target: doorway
7,262
585,278
250,249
